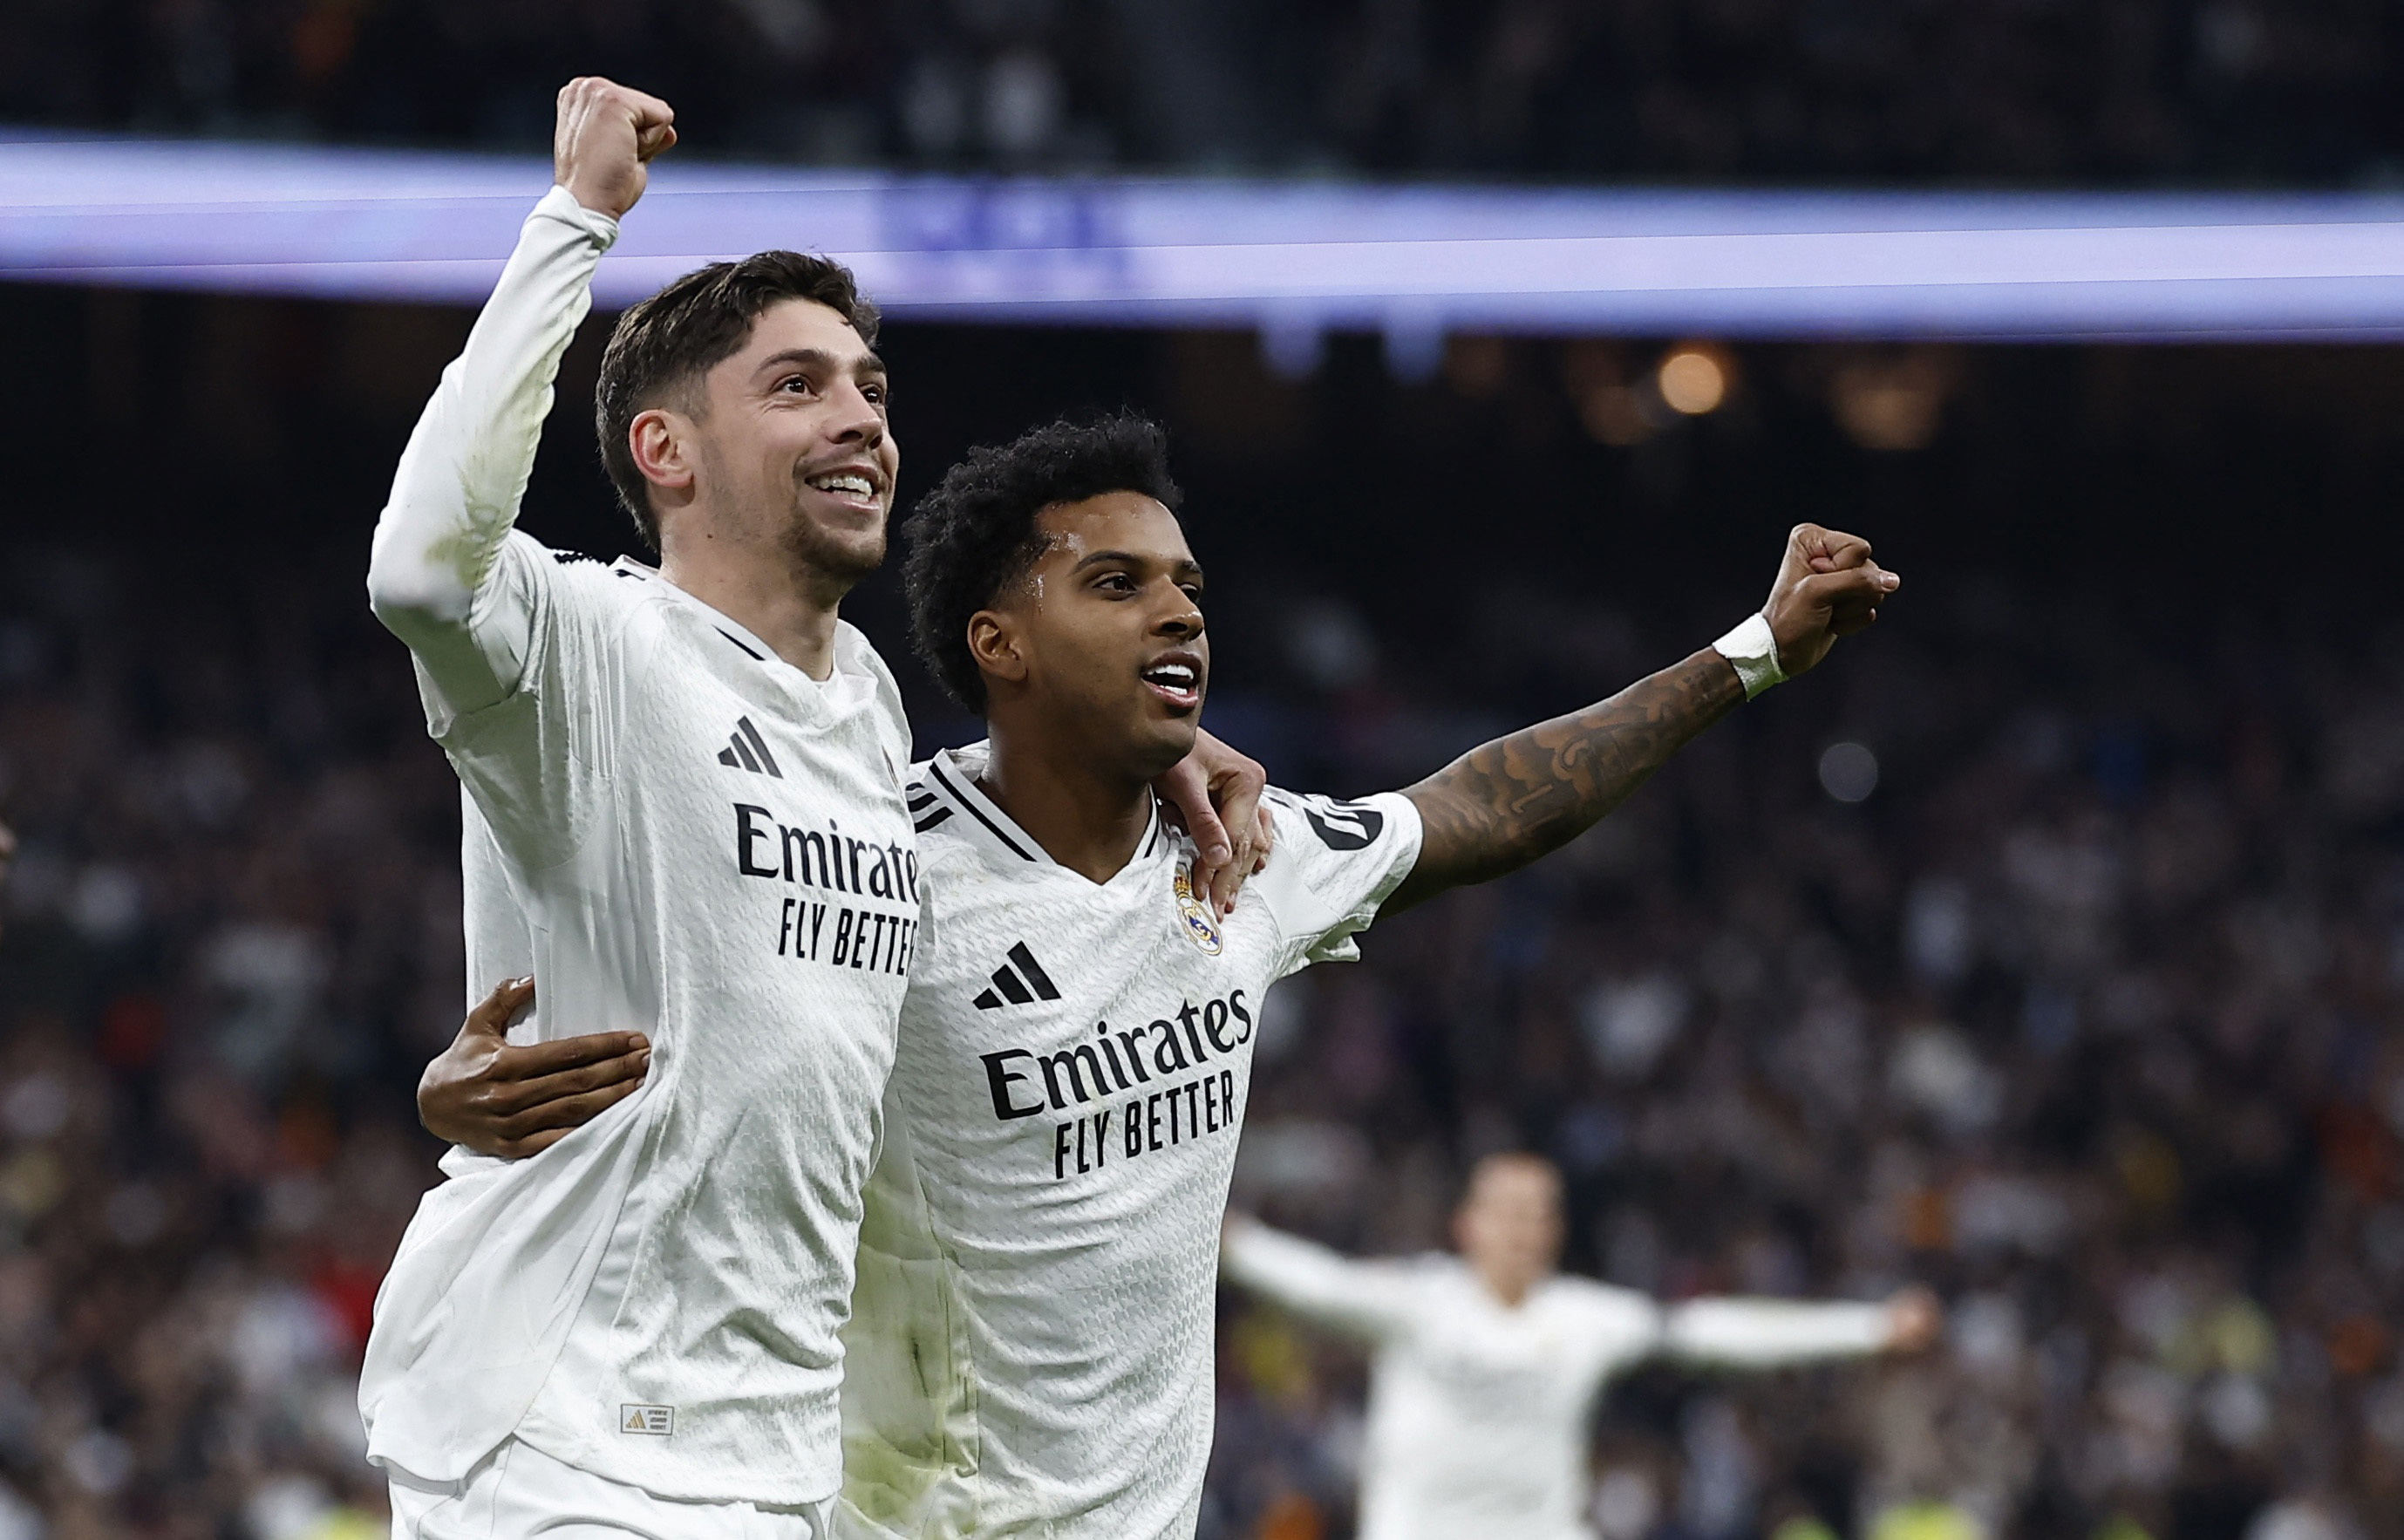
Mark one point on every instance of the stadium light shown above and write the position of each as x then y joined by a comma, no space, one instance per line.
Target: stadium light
1412,263
1693,381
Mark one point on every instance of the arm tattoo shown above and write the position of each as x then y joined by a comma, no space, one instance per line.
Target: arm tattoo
1502,804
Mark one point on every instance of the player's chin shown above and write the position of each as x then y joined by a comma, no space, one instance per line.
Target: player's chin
854,549
1166,738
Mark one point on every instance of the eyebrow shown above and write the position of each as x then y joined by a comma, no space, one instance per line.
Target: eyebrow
819,357
1131,558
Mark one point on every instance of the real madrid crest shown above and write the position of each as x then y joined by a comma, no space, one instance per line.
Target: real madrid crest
1199,926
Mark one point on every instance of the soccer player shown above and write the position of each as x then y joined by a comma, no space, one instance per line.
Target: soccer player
1487,1365
1030,1348
683,806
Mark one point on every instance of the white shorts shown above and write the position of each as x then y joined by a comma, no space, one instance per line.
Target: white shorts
518,1492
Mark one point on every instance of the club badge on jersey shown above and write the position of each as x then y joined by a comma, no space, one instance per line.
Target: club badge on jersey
1198,924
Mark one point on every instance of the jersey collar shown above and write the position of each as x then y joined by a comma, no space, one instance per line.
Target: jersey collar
739,636
948,797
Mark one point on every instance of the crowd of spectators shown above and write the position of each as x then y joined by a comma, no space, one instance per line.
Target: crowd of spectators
2089,1023
2047,947
1992,90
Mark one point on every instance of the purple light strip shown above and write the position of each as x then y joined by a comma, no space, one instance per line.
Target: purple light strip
1415,260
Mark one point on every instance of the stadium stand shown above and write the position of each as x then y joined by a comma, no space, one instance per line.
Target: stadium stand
2047,947
2121,91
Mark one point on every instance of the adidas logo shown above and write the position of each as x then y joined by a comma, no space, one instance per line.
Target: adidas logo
1024,985
746,750
924,813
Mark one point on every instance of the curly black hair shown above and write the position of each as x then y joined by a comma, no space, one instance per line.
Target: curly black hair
974,534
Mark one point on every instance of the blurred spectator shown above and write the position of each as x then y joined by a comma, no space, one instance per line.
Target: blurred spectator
2078,1002
2116,90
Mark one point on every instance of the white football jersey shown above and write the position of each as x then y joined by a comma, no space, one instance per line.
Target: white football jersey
1030,1350
702,843
1478,1409
676,831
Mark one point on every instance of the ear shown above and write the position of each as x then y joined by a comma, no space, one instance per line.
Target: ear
661,449
994,642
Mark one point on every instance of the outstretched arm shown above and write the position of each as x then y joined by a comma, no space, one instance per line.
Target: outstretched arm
1768,1333
1504,803
1305,1280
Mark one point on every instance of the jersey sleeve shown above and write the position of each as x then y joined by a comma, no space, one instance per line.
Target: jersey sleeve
515,647
1764,1334
1335,863
437,576
1369,1300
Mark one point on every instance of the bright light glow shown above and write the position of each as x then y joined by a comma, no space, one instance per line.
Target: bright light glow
1693,381
1849,772
1891,402
1296,258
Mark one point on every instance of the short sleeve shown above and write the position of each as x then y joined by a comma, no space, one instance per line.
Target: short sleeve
1335,863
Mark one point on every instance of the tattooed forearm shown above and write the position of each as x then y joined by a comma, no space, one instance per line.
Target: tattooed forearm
1502,804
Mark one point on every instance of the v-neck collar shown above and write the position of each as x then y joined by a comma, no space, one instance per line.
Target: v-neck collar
742,637
952,784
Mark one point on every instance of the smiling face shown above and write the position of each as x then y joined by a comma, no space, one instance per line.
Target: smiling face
786,442
1101,642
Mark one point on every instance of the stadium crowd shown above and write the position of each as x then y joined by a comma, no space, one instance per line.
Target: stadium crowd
2049,959
1995,91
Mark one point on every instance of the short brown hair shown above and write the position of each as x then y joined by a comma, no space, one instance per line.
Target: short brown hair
696,322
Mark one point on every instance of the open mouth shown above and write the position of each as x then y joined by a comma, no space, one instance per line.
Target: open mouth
1176,680
853,488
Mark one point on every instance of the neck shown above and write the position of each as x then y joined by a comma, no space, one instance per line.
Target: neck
786,603
1510,1288
1087,814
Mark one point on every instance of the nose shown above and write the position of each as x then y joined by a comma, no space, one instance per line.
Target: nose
854,419
1181,619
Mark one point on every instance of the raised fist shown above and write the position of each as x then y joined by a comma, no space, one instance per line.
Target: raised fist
1827,588
606,136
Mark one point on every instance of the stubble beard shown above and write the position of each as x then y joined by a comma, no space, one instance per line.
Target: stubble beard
837,559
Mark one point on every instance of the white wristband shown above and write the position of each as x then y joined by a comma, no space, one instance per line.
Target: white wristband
1754,652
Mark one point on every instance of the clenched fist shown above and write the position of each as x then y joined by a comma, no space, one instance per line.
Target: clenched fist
1827,588
606,136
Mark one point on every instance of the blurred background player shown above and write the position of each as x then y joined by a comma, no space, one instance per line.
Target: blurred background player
1486,1367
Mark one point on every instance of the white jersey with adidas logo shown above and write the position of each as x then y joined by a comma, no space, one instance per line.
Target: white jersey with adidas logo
675,832
1030,1352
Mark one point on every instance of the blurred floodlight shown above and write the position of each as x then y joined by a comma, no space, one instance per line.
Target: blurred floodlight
1693,381
1891,403
1849,772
